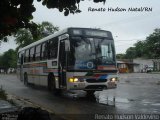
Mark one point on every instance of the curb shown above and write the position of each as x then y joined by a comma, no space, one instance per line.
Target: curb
22,102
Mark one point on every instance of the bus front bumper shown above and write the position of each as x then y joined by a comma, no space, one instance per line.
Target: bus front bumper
92,86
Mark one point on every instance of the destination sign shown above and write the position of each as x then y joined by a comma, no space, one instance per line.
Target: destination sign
87,32
96,33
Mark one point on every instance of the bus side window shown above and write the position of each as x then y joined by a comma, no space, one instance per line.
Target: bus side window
44,51
18,58
21,59
24,57
29,56
32,54
53,48
62,54
37,53
27,59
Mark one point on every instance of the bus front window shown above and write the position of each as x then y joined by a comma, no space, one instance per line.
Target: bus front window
88,53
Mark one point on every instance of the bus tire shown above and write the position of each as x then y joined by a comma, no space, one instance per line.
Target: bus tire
90,93
25,79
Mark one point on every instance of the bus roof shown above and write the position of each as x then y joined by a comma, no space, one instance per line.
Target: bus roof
52,36
44,39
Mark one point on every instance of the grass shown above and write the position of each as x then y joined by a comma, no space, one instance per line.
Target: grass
3,94
12,102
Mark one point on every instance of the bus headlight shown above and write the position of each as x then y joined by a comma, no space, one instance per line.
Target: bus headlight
73,80
113,79
76,80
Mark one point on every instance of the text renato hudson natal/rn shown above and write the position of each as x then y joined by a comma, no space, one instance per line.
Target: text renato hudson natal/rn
117,9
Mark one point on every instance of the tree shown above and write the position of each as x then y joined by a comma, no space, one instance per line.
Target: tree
131,53
9,59
43,29
16,14
24,36
149,48
153,44
120,56
140,49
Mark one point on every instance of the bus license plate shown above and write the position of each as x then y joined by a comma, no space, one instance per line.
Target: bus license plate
81,84
111,84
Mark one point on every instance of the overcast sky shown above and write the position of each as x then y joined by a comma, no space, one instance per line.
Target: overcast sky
126,27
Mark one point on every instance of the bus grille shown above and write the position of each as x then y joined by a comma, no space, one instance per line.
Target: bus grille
95,87
96,80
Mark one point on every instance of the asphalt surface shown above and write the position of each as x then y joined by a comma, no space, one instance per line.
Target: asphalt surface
136,93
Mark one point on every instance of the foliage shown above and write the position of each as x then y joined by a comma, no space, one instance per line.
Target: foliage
131,53
153,44
9,59
140,48
25,37
149,48
44,29
16,14
3,94
120,56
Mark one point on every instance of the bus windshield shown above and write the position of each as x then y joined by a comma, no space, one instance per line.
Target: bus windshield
89,53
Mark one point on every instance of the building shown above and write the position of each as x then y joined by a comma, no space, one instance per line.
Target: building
125,65
156,64
142,65
138,65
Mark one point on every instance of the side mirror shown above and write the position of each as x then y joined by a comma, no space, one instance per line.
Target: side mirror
67,45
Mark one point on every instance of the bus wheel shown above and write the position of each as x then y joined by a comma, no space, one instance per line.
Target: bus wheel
90,94
25,79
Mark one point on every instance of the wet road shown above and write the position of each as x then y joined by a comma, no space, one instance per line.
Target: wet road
136,93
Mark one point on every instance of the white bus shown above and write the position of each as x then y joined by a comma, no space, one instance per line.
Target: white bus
72,59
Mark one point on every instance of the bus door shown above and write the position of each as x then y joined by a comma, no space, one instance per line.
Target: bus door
62,64
21,66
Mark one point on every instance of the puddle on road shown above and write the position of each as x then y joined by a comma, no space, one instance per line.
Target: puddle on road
146,102
155,111
127,81
107,98
110,98
74,94
122,100
156,104
5,104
